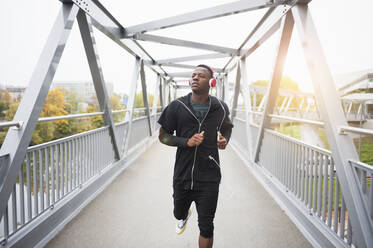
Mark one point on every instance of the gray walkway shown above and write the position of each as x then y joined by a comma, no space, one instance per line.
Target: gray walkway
136,210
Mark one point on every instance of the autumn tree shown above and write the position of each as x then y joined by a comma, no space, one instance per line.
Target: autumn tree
115,104
54,105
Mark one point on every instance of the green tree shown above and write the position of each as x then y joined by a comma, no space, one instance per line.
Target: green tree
285,83
5,101
139,101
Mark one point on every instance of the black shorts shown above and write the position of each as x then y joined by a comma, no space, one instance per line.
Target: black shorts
206,202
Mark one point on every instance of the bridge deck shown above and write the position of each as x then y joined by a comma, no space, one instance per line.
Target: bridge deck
136,210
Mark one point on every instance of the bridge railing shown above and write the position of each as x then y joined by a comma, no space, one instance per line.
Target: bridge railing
307,175
53,170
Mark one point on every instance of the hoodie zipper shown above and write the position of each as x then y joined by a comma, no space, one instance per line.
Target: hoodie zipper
212,158
199,130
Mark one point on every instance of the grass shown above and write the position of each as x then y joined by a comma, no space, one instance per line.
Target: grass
366,149
366,146
289,130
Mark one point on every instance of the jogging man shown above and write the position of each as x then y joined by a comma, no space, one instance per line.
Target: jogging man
202,126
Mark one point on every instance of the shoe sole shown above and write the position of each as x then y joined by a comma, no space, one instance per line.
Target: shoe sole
189,214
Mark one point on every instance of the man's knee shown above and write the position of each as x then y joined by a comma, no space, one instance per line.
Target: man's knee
180,213
206,228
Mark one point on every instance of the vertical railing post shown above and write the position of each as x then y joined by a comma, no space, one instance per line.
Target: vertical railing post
286,31
28,112
97,77
145,96
330,107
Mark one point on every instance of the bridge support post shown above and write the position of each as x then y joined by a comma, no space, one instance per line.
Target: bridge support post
145,95
247,100
175,91
157,91
131,103
225,88
161,92
28,112
97,77
342,146
274,85
236,91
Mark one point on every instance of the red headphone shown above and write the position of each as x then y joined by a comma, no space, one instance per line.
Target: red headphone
212,81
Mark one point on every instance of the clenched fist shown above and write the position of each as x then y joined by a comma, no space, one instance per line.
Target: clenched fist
222,142
196,139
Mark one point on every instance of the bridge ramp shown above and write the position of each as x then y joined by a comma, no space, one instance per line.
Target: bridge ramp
136,210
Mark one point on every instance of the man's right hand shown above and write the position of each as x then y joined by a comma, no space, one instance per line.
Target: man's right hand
196,139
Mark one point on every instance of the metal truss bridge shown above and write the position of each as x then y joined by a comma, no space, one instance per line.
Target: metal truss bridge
327,195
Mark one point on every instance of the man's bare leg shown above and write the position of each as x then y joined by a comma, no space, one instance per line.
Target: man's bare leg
205,242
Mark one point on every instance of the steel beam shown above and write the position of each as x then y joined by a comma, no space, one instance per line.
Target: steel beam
218,70
262,39
247,101
191,58
342,146
155,100
187,74
145,96
200,15
184,43
161,92
274,85
236,91
98,12
108,25
283,104
131,102
17,140
97,77
274,25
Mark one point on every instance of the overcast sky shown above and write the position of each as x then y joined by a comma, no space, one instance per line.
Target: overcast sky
344,27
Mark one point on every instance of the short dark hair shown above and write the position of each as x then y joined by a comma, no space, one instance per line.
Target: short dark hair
208,68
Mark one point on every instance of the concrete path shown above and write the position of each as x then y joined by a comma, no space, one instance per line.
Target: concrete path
136,211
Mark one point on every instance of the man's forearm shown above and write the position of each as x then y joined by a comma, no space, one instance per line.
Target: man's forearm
171,140
226,129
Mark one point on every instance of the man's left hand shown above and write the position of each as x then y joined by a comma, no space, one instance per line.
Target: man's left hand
222,142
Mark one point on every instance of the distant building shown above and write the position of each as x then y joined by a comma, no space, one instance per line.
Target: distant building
15,91
85,90
124,100
356,91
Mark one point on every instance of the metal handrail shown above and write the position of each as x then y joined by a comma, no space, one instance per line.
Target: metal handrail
17,124
318,123
71,137
316,148
361,165
67,117
346,129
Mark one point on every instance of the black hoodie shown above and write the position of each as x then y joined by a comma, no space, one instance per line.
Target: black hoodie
196,167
